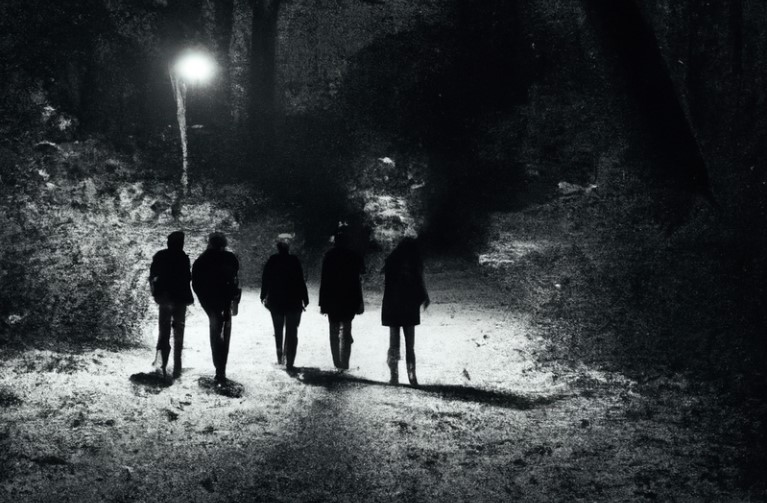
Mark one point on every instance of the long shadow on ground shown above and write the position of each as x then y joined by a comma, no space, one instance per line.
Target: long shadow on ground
330,380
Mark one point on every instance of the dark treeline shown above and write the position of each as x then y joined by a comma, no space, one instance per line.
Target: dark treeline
472,86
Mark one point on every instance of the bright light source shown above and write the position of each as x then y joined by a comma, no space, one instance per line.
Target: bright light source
195,67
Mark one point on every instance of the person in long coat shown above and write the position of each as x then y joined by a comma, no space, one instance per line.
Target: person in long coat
283,292
341,297
404,294
169,279
215,281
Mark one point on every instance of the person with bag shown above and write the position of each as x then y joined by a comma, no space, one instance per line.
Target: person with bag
215,281
404,293
169,278
341,296
283,292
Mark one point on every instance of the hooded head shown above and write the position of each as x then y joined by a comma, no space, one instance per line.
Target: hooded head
283,247
283,242
217,241
176,240
405,252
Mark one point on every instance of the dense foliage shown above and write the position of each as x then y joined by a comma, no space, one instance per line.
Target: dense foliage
79,226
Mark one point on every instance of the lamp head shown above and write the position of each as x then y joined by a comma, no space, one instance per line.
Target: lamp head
195,67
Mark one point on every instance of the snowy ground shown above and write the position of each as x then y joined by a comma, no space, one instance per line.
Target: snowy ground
491,421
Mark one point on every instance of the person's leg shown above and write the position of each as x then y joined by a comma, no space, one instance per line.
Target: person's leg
163,340
392,359
226,335
346,343
179,324
335,327
278,320
293,319
215,323
410,354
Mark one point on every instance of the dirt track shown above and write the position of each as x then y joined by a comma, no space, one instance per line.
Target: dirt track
490,422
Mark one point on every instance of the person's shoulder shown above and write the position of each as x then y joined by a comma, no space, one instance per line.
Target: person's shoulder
202,257
160,254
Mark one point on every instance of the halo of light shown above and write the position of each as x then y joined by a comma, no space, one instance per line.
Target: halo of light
195,67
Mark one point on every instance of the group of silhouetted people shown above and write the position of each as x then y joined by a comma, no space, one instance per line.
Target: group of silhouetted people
214,278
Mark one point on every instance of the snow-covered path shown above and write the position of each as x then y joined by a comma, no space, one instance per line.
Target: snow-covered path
490,422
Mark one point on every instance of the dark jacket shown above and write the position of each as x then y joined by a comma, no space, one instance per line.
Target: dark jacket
214,278
404,291
340,284
282,284
169,277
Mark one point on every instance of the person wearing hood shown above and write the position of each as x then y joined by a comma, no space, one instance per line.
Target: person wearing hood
283,292
215,281
341,296
169,279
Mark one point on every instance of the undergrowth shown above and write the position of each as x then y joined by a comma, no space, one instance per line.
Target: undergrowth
615,285
612,283
79,223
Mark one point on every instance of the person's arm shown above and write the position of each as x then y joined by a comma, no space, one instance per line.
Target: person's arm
237,292
154,273
266,279
187,269
363,270
153,268
424,293
187,278
323,284
304,291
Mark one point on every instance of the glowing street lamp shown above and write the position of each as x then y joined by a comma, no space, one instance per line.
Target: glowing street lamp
191,68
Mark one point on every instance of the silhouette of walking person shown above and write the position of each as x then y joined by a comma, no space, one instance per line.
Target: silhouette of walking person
404,293
283,292
341,296
215,281
169,278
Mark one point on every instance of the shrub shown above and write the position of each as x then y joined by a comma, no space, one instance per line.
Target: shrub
79,233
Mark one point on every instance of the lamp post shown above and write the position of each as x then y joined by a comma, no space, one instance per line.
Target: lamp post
191,68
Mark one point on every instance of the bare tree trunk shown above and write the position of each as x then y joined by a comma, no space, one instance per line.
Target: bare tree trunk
239,62
632,42
262,76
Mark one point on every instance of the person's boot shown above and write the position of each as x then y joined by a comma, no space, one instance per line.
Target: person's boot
345,350
334,344
394,371
290,355
164,353
157,363
411,373
176,361
393,363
